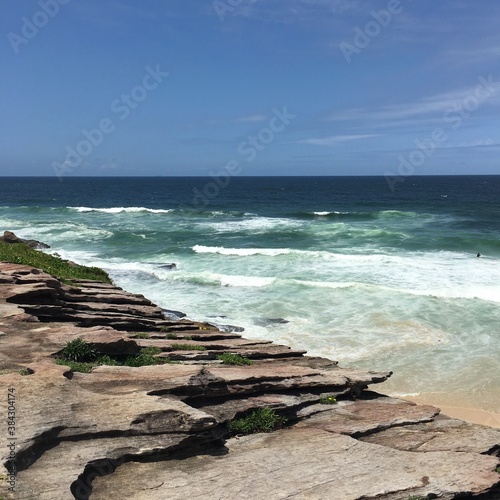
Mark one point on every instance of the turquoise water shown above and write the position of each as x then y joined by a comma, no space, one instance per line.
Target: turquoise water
369,277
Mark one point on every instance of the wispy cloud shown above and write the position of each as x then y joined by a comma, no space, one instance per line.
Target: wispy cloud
424,108
478,55
476,143
335,139
279,11
251,119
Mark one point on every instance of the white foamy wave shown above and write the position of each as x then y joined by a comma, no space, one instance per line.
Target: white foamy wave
254,224
243,281
405,394
193,278
118,210
62,232
488,293
324,214
361,258
84,258
328,284
314,254
243,252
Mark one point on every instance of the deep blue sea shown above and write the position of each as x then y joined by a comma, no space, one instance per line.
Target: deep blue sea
341,266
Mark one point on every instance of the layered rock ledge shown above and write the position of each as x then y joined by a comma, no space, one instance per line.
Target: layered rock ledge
158,432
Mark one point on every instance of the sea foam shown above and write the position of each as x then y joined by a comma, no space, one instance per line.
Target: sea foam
118,210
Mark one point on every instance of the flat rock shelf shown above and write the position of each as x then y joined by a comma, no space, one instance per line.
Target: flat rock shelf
161,431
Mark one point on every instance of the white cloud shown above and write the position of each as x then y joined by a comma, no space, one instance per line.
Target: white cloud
424,108
251,119
335,139
477,143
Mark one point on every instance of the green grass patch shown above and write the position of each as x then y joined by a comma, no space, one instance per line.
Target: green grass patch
229,358
188,347
261,420
172,336
328,400
81,357
19,253
75,366
78,350
106,360
146,357
86,367
25,371
142,336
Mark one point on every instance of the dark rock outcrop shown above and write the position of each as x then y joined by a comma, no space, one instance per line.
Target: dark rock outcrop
10,237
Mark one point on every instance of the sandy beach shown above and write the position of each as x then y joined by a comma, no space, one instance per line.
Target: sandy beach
460,405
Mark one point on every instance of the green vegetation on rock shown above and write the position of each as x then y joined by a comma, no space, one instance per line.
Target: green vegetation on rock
146,357
328,400
260,420
19,253
229,358
188,347
81,357
75,366
78,350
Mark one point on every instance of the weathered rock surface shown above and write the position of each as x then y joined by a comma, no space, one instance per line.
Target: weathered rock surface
160,431
303,464
87,303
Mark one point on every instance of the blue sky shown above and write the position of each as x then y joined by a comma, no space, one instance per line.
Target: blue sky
262,87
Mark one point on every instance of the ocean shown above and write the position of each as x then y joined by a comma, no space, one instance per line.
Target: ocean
344,267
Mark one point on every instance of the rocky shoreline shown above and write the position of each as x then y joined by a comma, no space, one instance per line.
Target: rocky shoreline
161,431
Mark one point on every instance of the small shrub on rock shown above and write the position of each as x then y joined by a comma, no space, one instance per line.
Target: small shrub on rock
146,357
229,358
78,350
106,360
260,420
75,366
328,400
188,347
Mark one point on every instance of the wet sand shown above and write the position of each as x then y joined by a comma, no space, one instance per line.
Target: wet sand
462,407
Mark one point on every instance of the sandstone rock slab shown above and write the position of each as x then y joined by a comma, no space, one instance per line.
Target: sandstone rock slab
302,464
